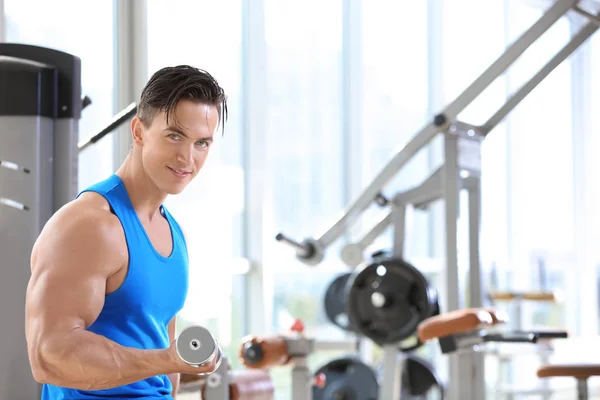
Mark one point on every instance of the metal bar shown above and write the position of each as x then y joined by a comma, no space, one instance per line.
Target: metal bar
352,254
131,65
301,376
392,373
387,173
220,376
429,191
582,389
376,231
3,32
517,97
117,121
341,345
399,221
593,18
451,187
514,51
475,276
460,371
473,186
422,138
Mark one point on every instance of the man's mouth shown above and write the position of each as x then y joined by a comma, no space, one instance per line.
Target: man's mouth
180,172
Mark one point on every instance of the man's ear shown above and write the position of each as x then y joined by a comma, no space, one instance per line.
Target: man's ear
137,130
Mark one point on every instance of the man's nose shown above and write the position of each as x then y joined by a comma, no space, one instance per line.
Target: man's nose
186,154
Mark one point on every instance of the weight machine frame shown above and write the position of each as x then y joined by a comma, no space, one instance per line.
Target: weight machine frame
461,154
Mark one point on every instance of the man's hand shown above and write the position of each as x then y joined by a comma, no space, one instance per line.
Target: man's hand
185,368
174,378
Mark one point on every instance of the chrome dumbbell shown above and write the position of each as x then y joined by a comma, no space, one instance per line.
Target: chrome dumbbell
197,347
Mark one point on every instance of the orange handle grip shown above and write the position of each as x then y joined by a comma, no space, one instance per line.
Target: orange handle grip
264,352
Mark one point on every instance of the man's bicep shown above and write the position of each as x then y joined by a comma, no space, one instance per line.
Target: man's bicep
68,279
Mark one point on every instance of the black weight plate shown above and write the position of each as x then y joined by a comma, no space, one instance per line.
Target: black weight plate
335,303
418,376
413,343
387,299
347,379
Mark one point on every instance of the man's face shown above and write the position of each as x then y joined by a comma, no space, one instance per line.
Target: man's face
174,153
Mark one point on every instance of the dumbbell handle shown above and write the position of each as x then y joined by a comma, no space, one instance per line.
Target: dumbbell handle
302,249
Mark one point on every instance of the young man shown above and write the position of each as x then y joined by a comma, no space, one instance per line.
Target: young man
109,270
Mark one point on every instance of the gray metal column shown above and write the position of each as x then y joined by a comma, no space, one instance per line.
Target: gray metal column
25,206
66,161
26,147
131,67
465,382
39,87
2,22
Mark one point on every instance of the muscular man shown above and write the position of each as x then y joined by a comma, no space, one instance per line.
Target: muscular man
109,270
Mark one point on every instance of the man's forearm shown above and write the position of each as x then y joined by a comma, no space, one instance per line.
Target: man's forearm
174,378
84,360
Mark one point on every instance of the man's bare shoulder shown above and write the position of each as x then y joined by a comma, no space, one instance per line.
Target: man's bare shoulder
85,226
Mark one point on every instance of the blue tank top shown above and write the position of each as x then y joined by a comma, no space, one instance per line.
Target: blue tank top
137,314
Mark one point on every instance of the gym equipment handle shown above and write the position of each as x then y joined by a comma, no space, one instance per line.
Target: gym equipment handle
547,334
117,121
303,248
512,337
307,251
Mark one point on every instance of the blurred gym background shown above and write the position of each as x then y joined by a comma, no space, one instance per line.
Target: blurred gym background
322,94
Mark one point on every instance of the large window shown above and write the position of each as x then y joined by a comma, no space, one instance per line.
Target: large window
88,36
541,172
594,163
207,35
394,105
304,149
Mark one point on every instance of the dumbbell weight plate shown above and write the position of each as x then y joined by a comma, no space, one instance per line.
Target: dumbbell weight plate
387,299
347,379
335,303
196,346
418,377
413,343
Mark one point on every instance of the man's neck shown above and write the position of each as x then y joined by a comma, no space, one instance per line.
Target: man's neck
145,197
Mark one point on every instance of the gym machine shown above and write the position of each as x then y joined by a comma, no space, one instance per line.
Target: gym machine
40,107
346,377
370,311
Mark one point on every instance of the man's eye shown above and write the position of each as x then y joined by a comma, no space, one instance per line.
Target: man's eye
174,136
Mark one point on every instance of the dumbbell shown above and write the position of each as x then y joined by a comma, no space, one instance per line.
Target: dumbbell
197,347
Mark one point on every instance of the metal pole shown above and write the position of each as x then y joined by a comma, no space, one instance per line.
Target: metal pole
422,138
562,55
460,383
2,22
131,66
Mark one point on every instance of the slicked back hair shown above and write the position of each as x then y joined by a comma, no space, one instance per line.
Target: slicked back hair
169,85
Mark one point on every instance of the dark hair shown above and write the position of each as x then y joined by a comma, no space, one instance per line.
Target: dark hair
170,85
